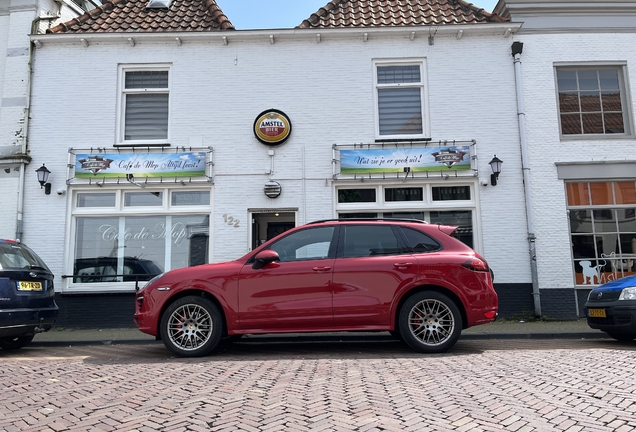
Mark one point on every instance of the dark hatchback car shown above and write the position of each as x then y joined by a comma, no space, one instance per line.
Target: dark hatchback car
27,296
406,277
611,308
105,269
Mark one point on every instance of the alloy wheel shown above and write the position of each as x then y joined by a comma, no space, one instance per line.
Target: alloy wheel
190,327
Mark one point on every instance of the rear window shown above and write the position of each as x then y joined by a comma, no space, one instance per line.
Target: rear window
418,242
17,256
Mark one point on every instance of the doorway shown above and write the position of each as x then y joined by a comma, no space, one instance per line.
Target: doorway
270,223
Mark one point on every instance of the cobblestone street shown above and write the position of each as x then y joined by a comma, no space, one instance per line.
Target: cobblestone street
511,385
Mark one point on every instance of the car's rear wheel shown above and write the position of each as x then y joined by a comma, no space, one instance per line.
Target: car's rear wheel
622,337
192,327
16,342
430,322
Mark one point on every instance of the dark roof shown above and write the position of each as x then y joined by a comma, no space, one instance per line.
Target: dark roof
128,16
383,13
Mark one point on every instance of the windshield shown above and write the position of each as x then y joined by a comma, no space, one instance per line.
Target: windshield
17,256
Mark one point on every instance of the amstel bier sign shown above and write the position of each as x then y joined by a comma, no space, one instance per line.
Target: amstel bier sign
272,127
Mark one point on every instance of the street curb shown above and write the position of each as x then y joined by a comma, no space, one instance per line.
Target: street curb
332,338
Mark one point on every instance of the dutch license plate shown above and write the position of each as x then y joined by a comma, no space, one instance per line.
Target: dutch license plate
596,313
29,286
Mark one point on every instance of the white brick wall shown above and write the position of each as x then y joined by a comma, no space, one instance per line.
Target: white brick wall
326,89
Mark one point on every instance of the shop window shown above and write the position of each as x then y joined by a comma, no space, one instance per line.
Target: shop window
192,198
144,105
400,99
96,199
602,231
592,101
112,251
356,195
403,194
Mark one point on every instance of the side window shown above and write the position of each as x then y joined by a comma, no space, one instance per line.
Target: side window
592,101
144,105
418,242
369,240
311,243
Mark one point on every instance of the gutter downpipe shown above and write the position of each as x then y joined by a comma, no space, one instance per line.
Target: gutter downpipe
517,48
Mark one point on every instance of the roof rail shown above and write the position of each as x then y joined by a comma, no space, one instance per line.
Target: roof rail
367,219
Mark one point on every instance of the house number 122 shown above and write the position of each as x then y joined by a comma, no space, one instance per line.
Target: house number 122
231,221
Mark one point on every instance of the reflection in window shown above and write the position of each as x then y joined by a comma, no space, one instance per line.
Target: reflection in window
143,199
191,198
96,199
403,194
453,193
356,195
462,219
311,243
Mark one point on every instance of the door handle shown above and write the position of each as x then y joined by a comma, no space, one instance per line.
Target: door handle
402,265
321,269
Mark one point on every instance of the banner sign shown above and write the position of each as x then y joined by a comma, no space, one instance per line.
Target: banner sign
363,161
113,165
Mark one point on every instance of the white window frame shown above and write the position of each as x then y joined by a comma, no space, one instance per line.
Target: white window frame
625,93
121,101
422,85
426,205
119,210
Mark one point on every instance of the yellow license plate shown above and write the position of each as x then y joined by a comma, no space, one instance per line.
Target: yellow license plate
30,286
596,313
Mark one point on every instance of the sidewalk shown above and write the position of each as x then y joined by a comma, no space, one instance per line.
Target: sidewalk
577,329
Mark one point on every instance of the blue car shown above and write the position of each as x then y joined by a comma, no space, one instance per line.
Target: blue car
27,296
611,308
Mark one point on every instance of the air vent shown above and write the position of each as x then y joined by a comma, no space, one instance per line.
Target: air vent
159,4
272,189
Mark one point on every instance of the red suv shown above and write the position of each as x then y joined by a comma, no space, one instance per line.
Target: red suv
407,277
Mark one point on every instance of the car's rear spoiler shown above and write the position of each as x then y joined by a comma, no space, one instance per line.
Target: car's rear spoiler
447,229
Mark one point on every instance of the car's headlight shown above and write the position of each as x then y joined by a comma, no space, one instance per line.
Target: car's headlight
628,294
590,295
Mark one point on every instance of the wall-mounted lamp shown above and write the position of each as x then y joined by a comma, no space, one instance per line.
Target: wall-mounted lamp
43,177
495,164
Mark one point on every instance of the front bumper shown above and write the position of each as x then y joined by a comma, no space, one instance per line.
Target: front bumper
620,316
16,322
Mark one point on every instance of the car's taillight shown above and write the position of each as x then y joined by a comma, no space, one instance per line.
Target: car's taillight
476,264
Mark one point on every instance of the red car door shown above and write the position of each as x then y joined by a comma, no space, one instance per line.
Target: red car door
294,293
369,270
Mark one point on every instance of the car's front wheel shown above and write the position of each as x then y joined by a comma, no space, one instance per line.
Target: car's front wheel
192,327
430,322
16,342
622,337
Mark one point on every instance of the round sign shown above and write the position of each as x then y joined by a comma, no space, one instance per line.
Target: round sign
272,127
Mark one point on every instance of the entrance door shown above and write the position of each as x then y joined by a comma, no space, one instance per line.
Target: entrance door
267,225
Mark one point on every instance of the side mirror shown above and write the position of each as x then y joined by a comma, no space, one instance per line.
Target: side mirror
265,257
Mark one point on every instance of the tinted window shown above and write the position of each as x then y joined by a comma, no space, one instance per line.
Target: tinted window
312,243
403,194
369,240
418,242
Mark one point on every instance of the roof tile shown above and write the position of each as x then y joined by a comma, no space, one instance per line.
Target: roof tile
133,16
380,13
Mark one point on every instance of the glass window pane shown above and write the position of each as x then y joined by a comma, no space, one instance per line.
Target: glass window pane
614,123
578,194
399,74
365,240
590,102
191,198
418,242
312,243
356,195
569,102
604,221
612,101
566,80
571,124
403,194
190,241
96,199
625,192
95,238
592,123
452,193
581,221
400,111
609,79
588,80
146,116
583,247
143,199
145,238
146,79
462,219
601,193
626,220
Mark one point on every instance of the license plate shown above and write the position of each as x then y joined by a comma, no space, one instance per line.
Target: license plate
596,313
29,286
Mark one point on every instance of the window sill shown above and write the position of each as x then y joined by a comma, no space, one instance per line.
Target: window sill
609,137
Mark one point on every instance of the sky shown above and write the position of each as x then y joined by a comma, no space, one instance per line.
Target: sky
274,14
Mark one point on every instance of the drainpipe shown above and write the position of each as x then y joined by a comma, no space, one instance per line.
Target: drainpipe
517,49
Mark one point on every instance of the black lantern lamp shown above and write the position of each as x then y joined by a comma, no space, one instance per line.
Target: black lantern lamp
43,176
495,164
